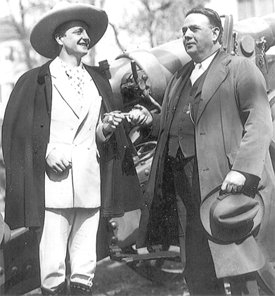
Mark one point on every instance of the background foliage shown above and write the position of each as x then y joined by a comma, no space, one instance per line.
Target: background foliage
151,21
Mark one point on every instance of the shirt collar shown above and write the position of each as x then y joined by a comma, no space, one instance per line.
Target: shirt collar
68,67
205,63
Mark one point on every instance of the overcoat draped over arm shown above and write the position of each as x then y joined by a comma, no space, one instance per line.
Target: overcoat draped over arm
26,129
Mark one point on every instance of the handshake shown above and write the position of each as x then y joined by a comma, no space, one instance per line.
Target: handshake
139,115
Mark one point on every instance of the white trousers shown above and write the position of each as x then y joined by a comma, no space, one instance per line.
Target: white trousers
73,230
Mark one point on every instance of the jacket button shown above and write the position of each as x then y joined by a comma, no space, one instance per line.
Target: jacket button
14,271
147,172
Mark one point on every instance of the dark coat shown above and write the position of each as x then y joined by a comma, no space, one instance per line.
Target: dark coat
233,131
26,128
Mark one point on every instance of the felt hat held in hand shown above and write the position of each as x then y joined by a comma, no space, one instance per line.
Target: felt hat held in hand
231,217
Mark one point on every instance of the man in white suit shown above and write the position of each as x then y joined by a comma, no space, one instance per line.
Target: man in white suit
52,155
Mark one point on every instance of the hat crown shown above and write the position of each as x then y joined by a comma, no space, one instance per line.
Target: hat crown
62,5
235,210
231,217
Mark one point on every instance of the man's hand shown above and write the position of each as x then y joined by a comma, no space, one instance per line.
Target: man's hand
111,121
141,116
233,182
57,161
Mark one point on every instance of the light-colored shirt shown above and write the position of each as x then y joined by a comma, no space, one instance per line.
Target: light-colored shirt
200,68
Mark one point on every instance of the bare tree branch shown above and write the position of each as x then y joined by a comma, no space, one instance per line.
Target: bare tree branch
116,37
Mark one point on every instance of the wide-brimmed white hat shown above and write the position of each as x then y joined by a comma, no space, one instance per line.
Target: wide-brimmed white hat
42,35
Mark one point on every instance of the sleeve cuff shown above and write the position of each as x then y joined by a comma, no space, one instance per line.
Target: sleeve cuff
100,134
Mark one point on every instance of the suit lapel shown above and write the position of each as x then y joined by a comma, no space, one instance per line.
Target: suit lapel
60,83
173,97
90,94
217,73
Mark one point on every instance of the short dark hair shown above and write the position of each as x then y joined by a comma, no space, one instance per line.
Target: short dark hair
212,16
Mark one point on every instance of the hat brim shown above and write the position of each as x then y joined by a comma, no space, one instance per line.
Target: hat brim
241,215
42,35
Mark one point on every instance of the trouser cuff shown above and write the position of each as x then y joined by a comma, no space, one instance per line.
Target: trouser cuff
60,290
80,289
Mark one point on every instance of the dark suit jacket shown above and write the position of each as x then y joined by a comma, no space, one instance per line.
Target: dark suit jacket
26,128
233,131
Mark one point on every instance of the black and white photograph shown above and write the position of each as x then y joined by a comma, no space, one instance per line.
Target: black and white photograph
137,147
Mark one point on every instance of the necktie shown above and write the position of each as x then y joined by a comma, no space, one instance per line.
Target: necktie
76,78
196,73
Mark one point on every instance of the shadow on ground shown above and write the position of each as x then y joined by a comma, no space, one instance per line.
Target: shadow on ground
115,278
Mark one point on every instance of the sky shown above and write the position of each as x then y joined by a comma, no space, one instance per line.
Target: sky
3,8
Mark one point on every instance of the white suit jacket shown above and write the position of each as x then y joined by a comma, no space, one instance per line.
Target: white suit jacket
73,131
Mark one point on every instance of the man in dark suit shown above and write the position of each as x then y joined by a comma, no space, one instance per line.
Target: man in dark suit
57,143
214,131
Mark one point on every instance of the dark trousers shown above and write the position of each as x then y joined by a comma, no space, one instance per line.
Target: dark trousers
199,270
